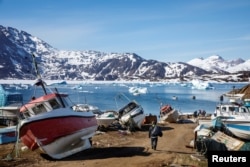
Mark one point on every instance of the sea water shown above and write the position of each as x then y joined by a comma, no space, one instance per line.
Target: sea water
106,95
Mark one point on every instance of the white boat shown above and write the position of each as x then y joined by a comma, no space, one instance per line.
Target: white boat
106,119
48,122
233,109
131,111
234,116
168,114
175,98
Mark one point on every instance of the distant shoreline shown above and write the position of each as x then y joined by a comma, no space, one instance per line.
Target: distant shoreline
16,81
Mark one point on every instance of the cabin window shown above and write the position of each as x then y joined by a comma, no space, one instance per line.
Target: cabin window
54,104
39,109
127,110
132,106
233,109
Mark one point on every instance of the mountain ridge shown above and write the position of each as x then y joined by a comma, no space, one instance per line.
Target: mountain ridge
17,46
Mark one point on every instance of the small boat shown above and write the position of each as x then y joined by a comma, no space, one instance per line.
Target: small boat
232,108
103,118
168,114
175,98
106,119
10,103
132,110
8,134
238,127
234,116
48,122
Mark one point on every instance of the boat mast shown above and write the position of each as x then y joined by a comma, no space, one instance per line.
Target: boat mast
40,81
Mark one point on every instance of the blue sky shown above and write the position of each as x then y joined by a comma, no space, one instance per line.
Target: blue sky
164,30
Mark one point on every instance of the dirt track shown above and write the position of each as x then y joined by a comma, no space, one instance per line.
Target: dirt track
115,149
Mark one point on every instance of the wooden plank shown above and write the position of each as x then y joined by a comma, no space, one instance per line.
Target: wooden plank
230,142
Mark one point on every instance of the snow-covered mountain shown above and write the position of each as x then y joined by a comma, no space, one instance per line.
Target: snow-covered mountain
16,48
244,66
217,64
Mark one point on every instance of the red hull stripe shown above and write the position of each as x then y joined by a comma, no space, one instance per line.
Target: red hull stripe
48,130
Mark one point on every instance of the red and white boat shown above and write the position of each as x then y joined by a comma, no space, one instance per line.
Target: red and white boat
49,123
168,114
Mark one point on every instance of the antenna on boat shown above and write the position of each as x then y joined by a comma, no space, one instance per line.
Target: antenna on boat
39,78
119,96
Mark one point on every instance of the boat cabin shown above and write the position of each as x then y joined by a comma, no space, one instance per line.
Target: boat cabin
231,109
126,109
43,104
132,108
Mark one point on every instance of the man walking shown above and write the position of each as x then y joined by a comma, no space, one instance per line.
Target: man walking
154,132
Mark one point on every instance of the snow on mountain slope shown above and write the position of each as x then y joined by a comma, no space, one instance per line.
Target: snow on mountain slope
240,67
217,64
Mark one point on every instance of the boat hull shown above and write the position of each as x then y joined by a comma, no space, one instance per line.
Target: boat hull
170,117
238,127
137,115
240,130
137,119
70,144
105,121
42,132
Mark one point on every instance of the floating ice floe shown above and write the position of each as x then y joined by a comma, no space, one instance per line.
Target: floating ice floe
198,84
138,90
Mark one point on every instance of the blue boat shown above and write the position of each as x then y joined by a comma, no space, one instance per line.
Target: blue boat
8,134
